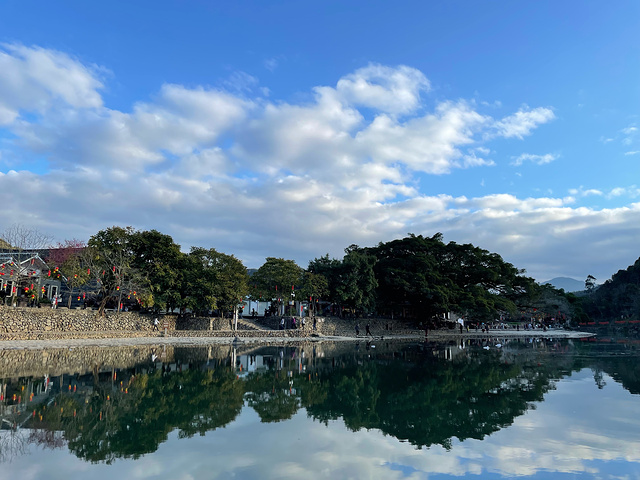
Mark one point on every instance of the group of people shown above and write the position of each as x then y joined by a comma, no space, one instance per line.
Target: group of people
292,323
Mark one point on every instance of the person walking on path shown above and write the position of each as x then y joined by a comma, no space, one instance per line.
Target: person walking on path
357,329
155,324
368,329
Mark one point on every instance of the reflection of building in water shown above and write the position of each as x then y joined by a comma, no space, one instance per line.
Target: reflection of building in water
254,363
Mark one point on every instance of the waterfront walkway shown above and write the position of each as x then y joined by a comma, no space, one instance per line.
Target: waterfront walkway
194,337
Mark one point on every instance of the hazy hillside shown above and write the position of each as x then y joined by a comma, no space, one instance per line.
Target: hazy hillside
567,284
618,297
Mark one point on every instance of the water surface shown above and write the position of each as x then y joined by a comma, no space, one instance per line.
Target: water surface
538,408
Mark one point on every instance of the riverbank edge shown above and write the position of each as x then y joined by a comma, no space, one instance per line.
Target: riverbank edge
269,338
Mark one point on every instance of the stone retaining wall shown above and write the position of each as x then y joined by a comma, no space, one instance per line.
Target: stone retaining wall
31,322
46,323
28,320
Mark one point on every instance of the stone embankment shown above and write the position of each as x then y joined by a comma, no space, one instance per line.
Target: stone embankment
58,324
48,325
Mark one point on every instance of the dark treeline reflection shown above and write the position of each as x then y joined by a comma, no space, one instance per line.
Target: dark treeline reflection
425,394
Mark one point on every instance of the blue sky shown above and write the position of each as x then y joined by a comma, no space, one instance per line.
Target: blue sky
294,129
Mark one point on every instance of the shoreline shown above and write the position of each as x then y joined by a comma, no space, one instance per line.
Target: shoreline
265,338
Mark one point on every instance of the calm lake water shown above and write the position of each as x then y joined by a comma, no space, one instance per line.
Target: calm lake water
389,410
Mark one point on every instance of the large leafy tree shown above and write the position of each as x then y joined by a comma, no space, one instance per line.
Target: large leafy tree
110,259
213,280
314,287
356,286
412,276
329,268
275,280
484,283
430,278
232,280
159,261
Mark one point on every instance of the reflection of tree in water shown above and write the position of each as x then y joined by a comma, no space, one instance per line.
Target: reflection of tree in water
134,419
13,443
598,377
272,397
618,359
412,395
435,400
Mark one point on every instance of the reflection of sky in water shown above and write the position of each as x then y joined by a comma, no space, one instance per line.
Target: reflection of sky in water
570,434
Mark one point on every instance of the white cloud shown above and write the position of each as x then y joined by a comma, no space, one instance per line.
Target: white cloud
537,159
258,177
179,122
428,144
634,152
390,90
241,82
36,79
271,64
523,122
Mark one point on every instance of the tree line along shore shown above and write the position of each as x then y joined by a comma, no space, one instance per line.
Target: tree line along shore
415,279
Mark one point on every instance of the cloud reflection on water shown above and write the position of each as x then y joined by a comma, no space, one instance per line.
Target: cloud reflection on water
579,429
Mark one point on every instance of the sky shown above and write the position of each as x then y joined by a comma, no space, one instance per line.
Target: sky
294,129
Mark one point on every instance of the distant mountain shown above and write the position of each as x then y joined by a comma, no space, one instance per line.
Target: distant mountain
566,283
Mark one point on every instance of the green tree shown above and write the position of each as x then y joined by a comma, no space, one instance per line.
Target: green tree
275,280
357,282
314,287
110,259
413,276
159,260
329,268
214,280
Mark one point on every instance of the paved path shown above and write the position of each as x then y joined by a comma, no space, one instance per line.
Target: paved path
212,340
